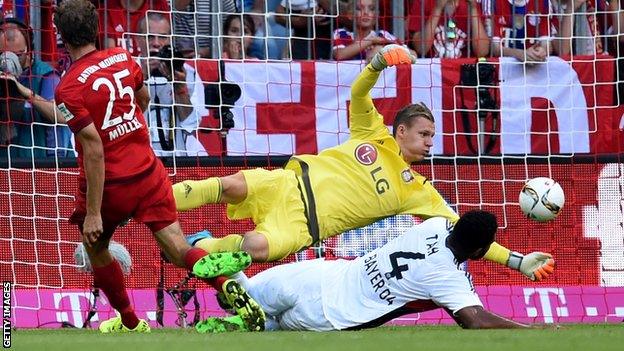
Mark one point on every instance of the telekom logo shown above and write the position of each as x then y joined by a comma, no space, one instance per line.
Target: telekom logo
74,306
544,303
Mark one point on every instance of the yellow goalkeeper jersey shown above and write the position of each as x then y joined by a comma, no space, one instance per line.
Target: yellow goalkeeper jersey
364,179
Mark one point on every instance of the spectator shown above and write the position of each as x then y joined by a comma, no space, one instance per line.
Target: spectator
30,118
591,23
271,37
310,27
192,24
171,117
237,41
355,45
121,16
523,30
445,28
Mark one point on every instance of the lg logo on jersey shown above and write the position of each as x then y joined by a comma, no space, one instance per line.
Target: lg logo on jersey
366,154
381,184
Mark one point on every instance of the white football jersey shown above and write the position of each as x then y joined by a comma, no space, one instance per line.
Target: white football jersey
415,267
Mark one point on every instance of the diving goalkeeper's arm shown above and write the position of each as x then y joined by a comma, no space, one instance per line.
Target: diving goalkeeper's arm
390,55
365,121
536,265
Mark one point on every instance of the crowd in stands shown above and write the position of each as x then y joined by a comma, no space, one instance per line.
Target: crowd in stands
527,30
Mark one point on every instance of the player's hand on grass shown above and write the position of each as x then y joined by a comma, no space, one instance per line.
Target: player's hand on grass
91,229
537,266
392,55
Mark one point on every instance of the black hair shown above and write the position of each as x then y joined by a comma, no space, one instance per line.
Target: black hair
475,230
247,21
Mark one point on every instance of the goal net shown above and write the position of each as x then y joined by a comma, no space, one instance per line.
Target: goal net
276,88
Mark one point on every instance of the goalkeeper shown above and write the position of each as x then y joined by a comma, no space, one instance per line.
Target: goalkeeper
348,186
415,272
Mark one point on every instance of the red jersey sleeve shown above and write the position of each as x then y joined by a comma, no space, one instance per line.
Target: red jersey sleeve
72,109
499,20
544,27
416,19
496,26
548,24
160,5
137,74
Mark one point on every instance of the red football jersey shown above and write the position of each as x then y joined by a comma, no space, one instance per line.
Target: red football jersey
450,39
520,23
120,20
99,88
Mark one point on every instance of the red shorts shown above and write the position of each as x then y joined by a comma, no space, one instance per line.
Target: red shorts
147,198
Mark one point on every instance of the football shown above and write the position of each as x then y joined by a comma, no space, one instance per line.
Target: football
541,199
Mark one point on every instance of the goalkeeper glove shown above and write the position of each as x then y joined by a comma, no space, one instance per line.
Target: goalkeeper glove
391,55
536,265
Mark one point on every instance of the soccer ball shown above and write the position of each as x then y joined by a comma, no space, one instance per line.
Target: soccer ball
541,199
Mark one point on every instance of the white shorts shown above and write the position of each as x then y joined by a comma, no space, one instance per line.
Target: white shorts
291,294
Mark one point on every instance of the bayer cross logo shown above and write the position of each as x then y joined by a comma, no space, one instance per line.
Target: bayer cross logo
407,176
366,154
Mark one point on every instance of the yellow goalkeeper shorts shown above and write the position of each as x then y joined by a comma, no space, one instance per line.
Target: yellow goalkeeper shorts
274,204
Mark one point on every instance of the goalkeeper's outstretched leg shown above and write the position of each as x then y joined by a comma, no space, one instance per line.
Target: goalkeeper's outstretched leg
191,194
221,264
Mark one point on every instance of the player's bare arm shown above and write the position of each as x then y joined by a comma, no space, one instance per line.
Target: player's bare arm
94,172
476,317
142,98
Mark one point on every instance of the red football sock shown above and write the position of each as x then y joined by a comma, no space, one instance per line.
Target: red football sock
193,255
110,279
218,282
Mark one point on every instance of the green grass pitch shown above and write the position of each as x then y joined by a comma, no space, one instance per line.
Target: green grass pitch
570,337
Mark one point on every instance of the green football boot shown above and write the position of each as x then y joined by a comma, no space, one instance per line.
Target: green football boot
221,325
114,325
221,263
247,308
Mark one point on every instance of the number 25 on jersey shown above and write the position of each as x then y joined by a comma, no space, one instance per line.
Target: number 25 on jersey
116,92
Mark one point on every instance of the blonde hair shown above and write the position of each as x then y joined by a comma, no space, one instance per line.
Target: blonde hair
409,113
